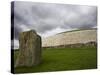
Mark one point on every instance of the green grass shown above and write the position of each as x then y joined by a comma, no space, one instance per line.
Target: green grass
60,59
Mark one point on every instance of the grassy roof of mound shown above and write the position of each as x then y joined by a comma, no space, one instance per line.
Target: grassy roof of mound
78,30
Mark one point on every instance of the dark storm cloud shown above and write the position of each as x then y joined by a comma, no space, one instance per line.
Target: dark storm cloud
44,17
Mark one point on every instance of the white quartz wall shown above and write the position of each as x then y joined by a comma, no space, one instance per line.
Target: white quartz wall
82,36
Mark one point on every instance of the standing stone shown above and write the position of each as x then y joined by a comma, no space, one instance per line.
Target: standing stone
29,49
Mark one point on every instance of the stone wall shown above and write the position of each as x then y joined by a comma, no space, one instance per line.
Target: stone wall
70,38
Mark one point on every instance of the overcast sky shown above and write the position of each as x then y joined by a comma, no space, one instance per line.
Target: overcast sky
48,19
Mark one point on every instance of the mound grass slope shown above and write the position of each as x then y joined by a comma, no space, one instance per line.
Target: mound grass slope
62,59
78,30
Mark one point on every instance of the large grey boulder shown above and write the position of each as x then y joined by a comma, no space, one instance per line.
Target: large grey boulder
29,49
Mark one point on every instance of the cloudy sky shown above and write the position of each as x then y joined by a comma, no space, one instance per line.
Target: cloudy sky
49,19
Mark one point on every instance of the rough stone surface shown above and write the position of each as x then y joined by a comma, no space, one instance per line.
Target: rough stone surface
29,49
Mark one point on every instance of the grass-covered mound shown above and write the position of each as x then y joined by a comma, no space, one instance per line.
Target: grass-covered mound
60,59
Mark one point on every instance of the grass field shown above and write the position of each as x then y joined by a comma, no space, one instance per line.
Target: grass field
62,59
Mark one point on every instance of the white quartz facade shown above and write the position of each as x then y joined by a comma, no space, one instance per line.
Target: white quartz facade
82,36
